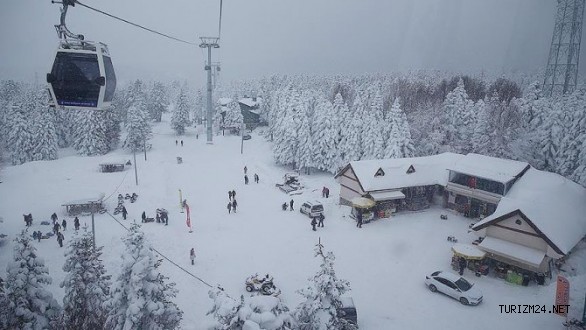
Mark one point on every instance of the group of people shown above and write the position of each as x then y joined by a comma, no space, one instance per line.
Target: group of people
57,227
177,142
28,219
284,206
325,192
319,221
232,204
256,178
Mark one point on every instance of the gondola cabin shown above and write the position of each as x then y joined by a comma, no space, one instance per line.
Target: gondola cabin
82,76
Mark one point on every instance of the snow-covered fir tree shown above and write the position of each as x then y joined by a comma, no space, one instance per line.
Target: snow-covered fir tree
325,136
459,118
137,121
225,310
20,136
233,116
373,129
483,132
90,133
3,302
30,304
354,139
321,298
158,101
399,143
345,148
141,297
64,121
574,131
45,134
112,122
86,285
180,119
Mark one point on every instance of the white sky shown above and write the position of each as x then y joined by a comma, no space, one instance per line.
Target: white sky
261,37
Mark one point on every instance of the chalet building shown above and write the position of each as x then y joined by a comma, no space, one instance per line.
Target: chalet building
477,183
397,184
542,218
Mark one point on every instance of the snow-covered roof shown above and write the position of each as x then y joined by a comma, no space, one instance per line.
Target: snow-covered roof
224,100
554,204
514,251
387,195
429,170
496,169
248,101
85,200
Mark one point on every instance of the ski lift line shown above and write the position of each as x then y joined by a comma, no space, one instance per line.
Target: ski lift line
136,25
166,258
121,182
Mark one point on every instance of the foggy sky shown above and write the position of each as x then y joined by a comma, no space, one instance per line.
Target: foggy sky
261,37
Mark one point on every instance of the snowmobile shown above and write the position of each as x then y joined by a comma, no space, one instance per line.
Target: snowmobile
119,208
264,285
291,184
132,198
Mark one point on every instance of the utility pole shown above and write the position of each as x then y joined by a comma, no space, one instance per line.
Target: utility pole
93,226
144,146
135,172
209,43
243,127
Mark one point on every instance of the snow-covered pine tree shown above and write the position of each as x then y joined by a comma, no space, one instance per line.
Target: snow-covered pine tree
345,117
354,142
45,134
286,143
325,136
86,285
374,127
30,305
157,101
90,133
483,132
304,137
3,302
574,127
321,298
460,118
550,135
233,116
225,310
137,119
198,107
140,298
64,120
180,119
399,143
112,122
20,136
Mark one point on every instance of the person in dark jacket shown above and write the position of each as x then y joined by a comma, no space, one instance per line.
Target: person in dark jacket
54,217
124,213
229,207
64,225
291,205
313,223
39,235
256,179
229,195
284,206
56,227
245,179
462,264
60,239
233,194
76,223
359,220
234,204
321,220
143,216
192,255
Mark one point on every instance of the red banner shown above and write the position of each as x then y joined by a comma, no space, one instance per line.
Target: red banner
562,294
188,221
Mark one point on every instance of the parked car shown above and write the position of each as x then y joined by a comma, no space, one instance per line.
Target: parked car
246,137
312,209
454,286
348,310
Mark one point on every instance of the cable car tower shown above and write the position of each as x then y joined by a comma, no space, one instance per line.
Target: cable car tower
561,73
82,76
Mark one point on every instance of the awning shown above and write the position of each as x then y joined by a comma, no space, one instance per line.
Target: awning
387,195
362,202
468,251
513,251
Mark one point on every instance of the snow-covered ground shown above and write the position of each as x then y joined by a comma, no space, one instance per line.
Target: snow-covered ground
385,261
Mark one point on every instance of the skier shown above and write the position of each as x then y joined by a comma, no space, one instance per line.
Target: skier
313,223
182,143
245,170
359,220
245,179
234,204
64,225
124,212
143,216
192,255
256,178
76,223
60,239
321,220
229,207
291,205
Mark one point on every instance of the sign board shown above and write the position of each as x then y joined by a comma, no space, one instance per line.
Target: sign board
562,294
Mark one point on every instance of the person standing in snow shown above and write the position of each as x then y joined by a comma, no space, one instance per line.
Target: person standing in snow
256,178
76,223
321,220
39,235
64,225
192,255
143,216
233,194
54,218
229,207
323,192
284,206
245,170
245,179
359,220
327,192
56,227
234,204
60,239
176,142
182,143
291,205
124,212
313,223
229,195
462,264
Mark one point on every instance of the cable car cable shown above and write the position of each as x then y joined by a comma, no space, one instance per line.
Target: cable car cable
136,25
220,23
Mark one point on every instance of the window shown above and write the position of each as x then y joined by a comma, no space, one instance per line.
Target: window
519,222
75,76
411,169
110,79
380,172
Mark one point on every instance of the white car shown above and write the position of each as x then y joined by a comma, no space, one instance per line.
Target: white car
454,286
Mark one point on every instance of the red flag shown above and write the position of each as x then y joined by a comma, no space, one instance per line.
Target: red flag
188,221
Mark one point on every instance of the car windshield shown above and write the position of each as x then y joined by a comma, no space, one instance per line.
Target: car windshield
463,284
318,208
